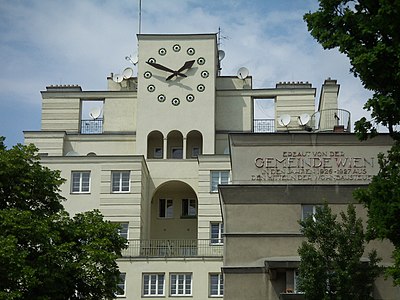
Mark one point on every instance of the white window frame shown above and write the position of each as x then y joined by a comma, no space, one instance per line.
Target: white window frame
218,290
121,284
217,240
121,181
81,184
314,210
168,209
124,229
179,285
153,284
215,181
191,206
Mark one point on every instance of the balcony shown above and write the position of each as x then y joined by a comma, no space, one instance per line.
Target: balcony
333,120
264,125
92,126
172,248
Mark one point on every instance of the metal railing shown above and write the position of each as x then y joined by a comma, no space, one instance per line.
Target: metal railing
92,126
331,120
264,125
172,248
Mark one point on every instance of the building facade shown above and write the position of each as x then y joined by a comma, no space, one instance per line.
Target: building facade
151,150
277,180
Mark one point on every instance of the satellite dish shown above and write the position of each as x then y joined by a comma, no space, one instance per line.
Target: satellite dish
284,120
133,60
221,54
72,153
127,73
118,78
303,119
243,73
95,113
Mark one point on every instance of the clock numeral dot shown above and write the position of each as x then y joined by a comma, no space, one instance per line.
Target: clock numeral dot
175,101
190,98
151,88
161,98
201,87
191,51
204,74
201,60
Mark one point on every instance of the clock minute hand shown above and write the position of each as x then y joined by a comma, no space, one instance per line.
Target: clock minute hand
160,67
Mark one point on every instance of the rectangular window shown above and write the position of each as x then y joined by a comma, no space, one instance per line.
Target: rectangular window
158,153
216,285
181,284
195,152
123,230
218,177
308,210
177,153
120,181
121,285
296,282
188,207
166,209
216,233
80,182
153,284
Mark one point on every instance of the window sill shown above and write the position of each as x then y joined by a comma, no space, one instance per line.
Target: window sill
188,217
80,193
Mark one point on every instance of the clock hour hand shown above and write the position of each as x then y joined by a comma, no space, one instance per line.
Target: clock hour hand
186,66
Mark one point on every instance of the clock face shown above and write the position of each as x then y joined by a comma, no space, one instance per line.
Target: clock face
176,74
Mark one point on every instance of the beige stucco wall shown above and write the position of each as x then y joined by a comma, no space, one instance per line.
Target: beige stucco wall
187,116
200,269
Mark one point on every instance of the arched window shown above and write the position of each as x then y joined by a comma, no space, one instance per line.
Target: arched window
175,145
155,145
194,144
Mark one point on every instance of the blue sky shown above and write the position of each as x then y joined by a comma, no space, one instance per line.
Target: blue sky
45,42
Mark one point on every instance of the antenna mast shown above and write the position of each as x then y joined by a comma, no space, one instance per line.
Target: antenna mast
140,16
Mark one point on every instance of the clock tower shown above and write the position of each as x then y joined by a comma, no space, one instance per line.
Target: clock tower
176,90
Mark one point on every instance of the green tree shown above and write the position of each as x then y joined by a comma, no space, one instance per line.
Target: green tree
331,264
44,253
382,198
368,32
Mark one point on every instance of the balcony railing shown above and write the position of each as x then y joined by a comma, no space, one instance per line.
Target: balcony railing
172,248
264,125
331,120
92,126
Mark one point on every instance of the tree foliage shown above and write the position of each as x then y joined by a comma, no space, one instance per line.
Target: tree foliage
331,265
368,32
382,199
44,253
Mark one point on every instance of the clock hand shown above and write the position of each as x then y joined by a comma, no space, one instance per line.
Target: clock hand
160,67
186,66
